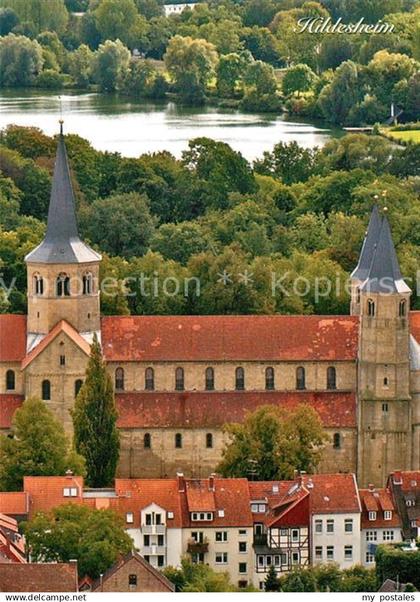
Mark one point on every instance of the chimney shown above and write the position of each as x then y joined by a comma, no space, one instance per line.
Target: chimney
371,487
212,484
69,473
181,482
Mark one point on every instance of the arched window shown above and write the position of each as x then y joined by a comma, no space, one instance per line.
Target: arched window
358,294
178,440
149,379
46,390
87,284
370,308
331,378
269,379
337,441
386,381
119,379
209,440
402,309
239,379
147,441
38,285
10,380
179,379
300,378
63,285
209,379
77,386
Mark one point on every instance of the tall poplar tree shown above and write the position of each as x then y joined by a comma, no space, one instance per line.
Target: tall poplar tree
94,418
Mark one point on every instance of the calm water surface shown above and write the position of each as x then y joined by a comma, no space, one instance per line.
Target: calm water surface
133,128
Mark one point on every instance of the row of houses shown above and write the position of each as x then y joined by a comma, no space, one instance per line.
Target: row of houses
235,525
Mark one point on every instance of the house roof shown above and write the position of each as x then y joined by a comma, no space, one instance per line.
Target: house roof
46,493
12,545
378,500
200,497
14,503
52,577
195,409
8,406
62,243
332,493
410,479
235,338
60,327
415,324
12,337
157,575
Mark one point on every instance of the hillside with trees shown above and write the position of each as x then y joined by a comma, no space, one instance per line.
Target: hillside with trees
236,53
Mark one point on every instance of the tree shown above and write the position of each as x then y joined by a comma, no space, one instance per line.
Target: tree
80,65
115,19
191,577
261,43
258,12
37,447
299,78
20,60
180,241
95,538
392,561
298,580
191,63
110,64
229,72
94,419
271,445
271,582
8,20
288,162
40,15
338,97
120,224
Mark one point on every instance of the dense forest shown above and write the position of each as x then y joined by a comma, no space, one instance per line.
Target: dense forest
295,214
239,53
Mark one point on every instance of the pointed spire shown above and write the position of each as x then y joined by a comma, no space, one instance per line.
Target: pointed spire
384,274
62,243
369,244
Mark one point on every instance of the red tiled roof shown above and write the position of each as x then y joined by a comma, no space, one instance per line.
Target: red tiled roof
196,409
8,406
61,326
46,493
415,324
218,338
295,513
332,493
200,497
12,337
378,500
14,503
52,577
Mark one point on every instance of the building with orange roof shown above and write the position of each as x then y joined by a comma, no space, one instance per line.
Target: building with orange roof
179,379
12,543
405,491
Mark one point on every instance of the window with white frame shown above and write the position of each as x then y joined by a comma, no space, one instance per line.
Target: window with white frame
330,525
371,535
388,535
70,492
295,534
202,516
221,558
318,526
330,553
348,525
318,552
387,514
295,557
348,552
221,536
257,508
372,515
242,547
242,531
369,558
129,517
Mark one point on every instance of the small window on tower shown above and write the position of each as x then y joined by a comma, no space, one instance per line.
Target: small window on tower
10,380
149,379
385,408
46,390
63,286
77,386
87,284
119,379
38,285
386,382
337,441
402,310
370,308
62,360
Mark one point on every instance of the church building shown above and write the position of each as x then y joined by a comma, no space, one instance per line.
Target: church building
179,379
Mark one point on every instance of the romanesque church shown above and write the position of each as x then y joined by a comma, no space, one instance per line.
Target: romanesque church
178,379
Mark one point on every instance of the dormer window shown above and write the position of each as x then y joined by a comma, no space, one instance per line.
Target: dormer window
370,308
372,515
202,516
258,508
402,308
70,492
387,514
63,285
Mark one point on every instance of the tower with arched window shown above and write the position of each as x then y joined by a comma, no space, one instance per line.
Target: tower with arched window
383,360
62,271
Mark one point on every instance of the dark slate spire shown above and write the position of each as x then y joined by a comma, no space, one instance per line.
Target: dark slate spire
369,244
384,274
62,243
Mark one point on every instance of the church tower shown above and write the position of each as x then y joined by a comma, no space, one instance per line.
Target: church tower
63,272
382,298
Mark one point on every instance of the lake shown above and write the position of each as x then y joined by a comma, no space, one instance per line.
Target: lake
133,128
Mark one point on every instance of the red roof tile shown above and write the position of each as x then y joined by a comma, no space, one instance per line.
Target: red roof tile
212,338
12,337
200,497
61,326
378,500
52,577
46,493
332,493
415,324
194,409
14,503
8,406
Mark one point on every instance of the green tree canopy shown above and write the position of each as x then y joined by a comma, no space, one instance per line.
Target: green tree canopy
38,446
271,444
20,60
95,538
94,419
110,64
